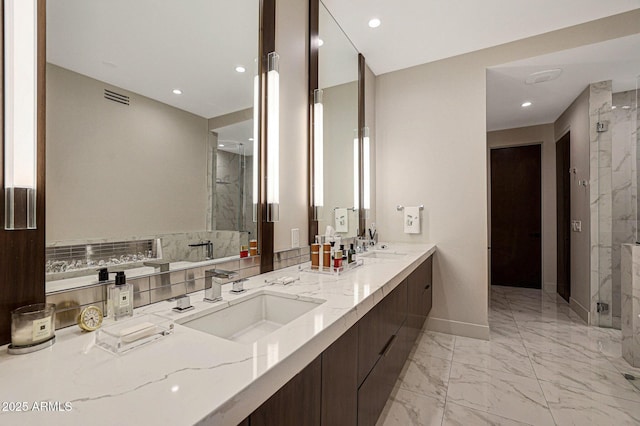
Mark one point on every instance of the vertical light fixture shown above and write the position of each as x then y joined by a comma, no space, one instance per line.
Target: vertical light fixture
356,171
273,138
20,113
318,153
256,144
366,154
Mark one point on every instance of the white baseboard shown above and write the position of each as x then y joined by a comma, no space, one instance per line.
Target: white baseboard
579,309
458,328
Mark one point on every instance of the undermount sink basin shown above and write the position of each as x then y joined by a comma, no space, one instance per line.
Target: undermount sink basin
384,255
251,317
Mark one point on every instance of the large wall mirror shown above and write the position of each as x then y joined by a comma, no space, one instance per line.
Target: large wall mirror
150,131
338,94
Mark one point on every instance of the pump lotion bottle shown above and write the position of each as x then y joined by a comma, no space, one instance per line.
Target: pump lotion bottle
120,301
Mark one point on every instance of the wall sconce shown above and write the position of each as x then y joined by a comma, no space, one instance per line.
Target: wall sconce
356,171
366,154
20,113
273,138
318,153
256,144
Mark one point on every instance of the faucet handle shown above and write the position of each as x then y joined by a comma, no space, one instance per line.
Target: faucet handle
183,304
238,286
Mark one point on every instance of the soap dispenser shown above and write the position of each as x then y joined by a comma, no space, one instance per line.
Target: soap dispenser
120,301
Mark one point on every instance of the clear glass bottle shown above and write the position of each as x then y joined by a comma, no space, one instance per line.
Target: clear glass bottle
120,300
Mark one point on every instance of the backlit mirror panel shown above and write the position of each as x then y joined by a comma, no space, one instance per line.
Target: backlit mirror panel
338,80
149,131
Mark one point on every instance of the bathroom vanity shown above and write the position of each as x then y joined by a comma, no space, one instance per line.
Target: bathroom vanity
334,363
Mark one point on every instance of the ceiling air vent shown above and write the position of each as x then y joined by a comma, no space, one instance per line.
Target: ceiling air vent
116,97
543,76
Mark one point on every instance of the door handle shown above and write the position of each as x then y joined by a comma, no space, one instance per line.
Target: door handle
428,287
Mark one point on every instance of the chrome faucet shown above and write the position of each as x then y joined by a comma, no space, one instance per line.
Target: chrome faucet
209,246
213,280
238,286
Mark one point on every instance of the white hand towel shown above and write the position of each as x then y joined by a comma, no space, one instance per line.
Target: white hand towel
342,220
412,220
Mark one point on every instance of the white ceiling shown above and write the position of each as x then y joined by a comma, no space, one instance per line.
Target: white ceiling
151,47
414,32
617,60
236,136
337,57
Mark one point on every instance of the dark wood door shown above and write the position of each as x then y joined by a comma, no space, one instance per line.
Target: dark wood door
340,381
516,239
296,403
563,206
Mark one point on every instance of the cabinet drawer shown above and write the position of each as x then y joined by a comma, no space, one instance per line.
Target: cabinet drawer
296,403
427,296
377,327
375,390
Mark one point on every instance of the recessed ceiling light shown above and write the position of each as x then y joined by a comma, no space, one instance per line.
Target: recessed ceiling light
177,92
240,69
626,107
251,139
614,107
374,23
320,42
526,104
221,145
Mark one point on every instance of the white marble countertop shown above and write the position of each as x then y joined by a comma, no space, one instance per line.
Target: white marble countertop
190,376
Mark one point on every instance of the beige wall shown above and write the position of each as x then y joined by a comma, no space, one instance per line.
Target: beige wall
576,120
116,171
431,150
542,134
292,44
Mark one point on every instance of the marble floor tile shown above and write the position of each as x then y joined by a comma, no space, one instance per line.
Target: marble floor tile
587,377
406,408
508,357
542,365
502,394
436,344
504,333
571,406
425,375
459,415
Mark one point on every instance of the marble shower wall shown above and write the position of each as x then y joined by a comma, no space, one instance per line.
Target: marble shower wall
624,187
600,191
613,195
234,193
175,247
630,279
229,181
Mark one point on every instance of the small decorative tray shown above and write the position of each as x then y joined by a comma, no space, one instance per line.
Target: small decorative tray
346,267
124,335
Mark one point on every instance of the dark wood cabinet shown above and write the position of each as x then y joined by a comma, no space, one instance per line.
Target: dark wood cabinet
296,403
340,381
377,328
427,297
350,382
419,290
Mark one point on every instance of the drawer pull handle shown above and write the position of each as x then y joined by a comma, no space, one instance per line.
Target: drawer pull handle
428,287
387,347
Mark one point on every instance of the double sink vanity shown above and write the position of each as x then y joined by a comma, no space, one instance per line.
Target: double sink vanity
323,349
